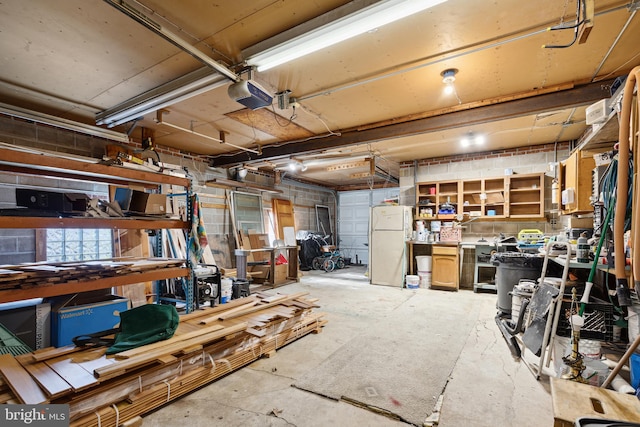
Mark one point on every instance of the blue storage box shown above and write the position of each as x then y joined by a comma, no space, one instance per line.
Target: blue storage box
634,364
70,317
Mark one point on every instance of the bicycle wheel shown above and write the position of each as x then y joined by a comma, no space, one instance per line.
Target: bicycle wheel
340,262
329,265
316,264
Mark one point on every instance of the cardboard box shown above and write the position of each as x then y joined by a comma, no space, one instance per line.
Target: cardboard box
71,317
148,203
29,320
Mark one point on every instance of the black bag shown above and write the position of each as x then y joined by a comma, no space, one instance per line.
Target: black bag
138,326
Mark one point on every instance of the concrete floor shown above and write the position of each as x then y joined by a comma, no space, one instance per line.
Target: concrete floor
486,387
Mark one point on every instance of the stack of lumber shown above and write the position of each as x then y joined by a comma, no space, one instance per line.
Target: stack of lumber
30,275
208,344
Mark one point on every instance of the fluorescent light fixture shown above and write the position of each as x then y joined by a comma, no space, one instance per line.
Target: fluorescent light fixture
58,122
180,89
337,30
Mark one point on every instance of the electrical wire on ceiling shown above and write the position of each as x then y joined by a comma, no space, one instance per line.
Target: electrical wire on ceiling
581,18
289,121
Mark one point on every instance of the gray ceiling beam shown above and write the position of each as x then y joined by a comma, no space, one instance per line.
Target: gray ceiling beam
574,97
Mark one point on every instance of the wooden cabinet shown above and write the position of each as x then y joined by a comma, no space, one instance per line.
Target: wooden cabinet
484,197
445,268
430,196
526,196
28,163
512,196
575,186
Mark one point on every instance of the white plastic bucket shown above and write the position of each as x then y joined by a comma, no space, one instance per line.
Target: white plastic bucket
226,286
413,282
425,279
424,263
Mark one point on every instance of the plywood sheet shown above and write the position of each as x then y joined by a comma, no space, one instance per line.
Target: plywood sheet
269,122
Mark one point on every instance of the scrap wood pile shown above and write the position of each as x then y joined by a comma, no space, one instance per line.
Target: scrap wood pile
39,274
208,344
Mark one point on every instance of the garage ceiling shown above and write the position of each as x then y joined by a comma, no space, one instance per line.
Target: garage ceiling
376,96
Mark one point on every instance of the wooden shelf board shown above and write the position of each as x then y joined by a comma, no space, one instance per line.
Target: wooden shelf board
41,164
521,190
112,223
43,291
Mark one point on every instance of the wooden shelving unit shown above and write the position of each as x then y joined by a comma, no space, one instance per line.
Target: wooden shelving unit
31,163
431,195
512,196
526,196
495,197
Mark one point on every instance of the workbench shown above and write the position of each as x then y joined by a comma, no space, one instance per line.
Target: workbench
278,274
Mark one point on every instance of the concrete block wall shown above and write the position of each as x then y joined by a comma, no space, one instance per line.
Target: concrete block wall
303,196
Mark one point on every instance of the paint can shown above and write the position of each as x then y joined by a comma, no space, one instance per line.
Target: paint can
412,282
226,287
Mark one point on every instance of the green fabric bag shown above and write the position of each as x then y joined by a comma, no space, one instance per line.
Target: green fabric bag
144,325
139,326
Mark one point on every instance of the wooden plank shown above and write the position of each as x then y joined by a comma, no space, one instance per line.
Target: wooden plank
151,356
260,307
268,121
51,352
82,169
273,298
228,312
217,309
78,378
20,382
51,290
50,382
167,358
257,332
161,344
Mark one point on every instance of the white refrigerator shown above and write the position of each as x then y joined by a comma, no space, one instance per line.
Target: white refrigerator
390,228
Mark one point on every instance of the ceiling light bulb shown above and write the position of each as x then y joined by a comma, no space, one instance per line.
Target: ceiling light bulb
449,76
465,141
292,167
479,139
448,89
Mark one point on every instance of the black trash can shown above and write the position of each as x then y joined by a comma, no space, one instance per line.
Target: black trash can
511,267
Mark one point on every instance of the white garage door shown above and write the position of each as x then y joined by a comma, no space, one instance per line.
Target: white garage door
353,220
